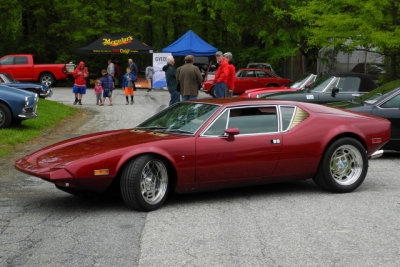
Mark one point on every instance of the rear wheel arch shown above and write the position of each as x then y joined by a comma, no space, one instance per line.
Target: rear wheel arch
343,135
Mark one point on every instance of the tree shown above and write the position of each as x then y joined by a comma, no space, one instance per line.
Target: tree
368,23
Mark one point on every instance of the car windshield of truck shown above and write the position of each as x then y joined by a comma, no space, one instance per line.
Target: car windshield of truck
182,118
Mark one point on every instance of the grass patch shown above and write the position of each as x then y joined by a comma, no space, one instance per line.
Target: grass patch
50,114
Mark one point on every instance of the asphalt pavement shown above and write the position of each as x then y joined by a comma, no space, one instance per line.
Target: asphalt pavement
288,224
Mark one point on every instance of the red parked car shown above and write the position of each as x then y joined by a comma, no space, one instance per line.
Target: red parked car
248,79
300,84
22,68
215,143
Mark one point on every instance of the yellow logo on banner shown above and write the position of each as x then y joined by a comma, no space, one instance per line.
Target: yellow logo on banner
117,42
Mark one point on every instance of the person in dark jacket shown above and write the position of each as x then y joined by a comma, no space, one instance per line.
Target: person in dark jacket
189,78
134,70
108,85
170,75
80,74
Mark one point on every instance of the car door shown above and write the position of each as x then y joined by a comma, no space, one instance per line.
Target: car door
21,69
263,78
390,110
348,89
246,79
252,154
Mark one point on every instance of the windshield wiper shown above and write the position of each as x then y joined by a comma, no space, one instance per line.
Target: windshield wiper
152,127
179,131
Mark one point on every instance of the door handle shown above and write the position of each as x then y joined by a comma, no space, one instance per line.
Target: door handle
275,141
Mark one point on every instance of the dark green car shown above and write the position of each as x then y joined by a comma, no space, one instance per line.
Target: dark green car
336,88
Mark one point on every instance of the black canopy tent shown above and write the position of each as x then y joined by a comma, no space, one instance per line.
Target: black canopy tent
117,43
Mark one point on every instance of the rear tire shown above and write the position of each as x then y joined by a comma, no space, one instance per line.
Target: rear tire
5,116
47,79
144,183
343,166
212,91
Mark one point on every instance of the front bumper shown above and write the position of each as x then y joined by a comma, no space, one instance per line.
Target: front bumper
48,93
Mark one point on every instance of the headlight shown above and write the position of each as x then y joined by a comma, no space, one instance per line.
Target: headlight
26,101
36,98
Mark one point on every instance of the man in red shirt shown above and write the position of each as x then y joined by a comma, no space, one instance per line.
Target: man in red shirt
232,74
221,75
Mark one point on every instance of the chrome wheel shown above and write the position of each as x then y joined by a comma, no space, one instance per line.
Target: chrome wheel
154,181
47,79
346,165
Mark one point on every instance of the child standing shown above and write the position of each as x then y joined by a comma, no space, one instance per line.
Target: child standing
128,85
107,83
97,91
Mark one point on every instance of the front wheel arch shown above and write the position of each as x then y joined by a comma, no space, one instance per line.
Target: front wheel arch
170,167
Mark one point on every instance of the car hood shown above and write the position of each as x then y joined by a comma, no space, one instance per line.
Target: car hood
6,90
24,85
84,147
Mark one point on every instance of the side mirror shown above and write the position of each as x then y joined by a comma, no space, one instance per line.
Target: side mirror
335,90
232,132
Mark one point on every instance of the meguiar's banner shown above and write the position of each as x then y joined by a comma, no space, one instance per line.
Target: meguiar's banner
159,61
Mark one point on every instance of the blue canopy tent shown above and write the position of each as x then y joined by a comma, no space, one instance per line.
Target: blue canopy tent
190,44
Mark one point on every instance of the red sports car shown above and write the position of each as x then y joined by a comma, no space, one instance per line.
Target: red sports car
248,79
208,144
297,85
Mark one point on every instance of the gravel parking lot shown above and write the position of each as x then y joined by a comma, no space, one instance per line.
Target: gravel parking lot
289,224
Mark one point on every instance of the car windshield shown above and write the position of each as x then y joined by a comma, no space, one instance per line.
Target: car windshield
322,83
182,118
300,83
7,78
379,93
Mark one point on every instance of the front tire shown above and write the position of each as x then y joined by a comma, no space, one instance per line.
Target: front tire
47,79
144,183
5,116
343,167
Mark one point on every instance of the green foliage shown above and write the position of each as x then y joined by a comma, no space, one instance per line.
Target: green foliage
254,30
50,114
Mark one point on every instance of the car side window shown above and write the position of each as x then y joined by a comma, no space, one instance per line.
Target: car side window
7,61
287,115
262,74
392,103
349,84
254,120
219,125
21,60
250,74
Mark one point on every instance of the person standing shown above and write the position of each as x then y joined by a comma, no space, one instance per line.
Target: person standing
231,76
221,75
127,84
189,79
134,70
111,68
170,75
80,74
108,85
117,73
149,72
97,91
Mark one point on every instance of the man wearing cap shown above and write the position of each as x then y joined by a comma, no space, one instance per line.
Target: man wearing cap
232,73
189,79
221,75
